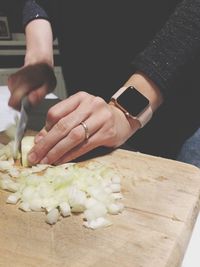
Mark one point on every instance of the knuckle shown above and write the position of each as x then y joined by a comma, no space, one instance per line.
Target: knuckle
76,135
98,101
52,116
52,155
62,126
108,115
82,94
11,82
40,148
111,134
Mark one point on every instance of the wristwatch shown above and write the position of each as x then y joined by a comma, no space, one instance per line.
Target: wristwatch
133,104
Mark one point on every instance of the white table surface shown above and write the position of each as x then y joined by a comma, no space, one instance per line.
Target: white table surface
192,255
7,114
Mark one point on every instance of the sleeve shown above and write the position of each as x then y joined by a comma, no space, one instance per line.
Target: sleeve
33,10
176,44
40,9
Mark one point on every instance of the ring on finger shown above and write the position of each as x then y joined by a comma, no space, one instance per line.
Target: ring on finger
87,135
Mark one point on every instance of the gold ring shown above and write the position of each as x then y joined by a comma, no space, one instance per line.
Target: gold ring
86,130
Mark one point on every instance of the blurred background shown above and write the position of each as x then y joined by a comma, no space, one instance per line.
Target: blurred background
13,47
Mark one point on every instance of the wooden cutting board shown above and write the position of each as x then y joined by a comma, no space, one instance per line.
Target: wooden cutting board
161,200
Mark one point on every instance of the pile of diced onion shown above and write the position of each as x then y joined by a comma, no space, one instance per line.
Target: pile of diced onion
92,189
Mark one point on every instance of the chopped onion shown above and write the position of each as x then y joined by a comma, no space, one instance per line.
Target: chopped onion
116,179
52,216
11,130
116,188
24,206
115,208
96,211
26,145
13,198
92,189
65,209
98,223
5,165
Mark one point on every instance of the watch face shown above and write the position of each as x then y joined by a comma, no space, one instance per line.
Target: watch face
132,101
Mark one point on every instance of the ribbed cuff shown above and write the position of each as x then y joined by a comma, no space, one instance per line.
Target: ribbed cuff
150,69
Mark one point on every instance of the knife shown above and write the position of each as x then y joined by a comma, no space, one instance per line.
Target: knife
21,125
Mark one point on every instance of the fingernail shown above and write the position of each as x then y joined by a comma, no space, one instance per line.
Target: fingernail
44,160
32,157
47,127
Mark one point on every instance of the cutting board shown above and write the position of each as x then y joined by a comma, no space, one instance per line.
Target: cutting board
161,200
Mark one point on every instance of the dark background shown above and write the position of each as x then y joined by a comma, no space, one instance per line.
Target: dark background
13,10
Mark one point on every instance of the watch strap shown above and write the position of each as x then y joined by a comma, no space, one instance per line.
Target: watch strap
145,116
119,92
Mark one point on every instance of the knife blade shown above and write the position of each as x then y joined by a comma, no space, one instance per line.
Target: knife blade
21,125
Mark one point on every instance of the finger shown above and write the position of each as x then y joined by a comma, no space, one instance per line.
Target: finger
40,135
37,95
34,96
16,97
74,138
92,143
63,108
55,135
53,144
64,126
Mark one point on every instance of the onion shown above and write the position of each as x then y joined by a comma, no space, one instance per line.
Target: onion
98,223
13,198
92,189
26,145
65,209
52,216
114,208
11,130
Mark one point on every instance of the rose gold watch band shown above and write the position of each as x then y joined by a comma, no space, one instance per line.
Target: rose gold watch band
143,117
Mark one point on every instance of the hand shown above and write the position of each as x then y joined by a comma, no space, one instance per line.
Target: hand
32,80
63,138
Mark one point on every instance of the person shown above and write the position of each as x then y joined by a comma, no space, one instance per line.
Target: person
106,45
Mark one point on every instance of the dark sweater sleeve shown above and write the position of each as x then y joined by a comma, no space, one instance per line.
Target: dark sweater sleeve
32,11
177,43
39,9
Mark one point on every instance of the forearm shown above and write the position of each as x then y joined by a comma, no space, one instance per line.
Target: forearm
173,48
39,42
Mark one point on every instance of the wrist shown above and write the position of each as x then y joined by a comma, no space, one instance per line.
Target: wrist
134,124
125,126
147,88
31,58
133,104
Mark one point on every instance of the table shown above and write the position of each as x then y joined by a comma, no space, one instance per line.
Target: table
144,215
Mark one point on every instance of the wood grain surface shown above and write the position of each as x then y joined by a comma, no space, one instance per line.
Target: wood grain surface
161,200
